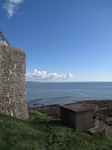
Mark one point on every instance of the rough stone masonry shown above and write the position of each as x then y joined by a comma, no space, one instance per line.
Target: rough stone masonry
12,82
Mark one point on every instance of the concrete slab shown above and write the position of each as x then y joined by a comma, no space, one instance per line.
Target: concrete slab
78,107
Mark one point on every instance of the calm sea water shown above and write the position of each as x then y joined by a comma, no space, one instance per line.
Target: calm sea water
39,94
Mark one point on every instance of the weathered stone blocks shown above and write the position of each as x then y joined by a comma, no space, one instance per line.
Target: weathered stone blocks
12,82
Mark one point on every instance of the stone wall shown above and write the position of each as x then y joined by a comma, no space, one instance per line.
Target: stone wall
12,82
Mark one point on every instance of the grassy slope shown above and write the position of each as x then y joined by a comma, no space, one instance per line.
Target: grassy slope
41,133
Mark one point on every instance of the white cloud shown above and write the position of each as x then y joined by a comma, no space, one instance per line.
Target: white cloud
43,76
16,1
70,75
11,6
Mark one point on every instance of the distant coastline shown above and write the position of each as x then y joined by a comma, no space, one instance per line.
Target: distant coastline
69,81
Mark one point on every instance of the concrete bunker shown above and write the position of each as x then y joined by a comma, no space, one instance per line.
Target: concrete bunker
79,116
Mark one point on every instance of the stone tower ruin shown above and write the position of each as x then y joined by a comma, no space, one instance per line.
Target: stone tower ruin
12,82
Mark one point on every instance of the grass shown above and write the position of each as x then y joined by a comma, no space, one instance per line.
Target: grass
42,133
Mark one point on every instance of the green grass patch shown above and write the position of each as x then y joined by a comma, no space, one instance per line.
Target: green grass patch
41,133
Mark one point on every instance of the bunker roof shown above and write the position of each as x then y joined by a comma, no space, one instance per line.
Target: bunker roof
79,107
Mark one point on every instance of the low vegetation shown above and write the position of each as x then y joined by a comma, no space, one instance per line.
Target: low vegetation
42,133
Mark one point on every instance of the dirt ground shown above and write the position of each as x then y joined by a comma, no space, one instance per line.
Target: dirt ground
104,112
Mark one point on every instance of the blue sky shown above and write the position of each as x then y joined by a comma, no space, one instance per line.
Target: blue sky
64,40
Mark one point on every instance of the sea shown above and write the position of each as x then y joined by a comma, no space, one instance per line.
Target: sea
50,93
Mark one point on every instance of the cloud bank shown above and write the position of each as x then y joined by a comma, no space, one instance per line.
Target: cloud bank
11,6
52,77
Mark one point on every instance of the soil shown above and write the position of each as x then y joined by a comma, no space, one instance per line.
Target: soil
104,112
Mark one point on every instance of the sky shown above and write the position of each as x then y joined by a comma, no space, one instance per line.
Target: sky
64,40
